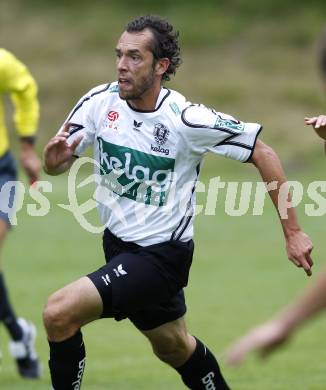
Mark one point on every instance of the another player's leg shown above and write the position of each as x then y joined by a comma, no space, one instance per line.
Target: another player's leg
7,315
66,312
22,332
195,363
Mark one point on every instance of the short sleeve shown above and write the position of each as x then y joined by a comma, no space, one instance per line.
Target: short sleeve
82,122
210,131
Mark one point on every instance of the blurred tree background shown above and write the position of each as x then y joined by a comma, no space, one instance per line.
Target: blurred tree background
256,60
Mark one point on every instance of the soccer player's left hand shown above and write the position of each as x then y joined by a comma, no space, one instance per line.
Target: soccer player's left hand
31,163
299,247
264,338
319,124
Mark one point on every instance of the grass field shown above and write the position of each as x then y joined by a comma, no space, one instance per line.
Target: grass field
240,276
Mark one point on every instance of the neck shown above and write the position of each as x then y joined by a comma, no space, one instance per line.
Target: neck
147,101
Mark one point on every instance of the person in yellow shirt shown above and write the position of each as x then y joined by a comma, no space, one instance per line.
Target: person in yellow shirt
17,82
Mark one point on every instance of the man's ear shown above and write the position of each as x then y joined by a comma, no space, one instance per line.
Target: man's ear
161,66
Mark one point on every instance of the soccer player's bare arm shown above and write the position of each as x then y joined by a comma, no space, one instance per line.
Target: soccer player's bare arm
29,160
298,244
270,335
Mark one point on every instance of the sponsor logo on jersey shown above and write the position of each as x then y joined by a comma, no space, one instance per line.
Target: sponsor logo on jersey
140,176
159,149
228,124
161,133
137,125
111,120
114,88
113,115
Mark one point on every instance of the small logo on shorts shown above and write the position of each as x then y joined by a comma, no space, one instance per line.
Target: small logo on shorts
106,279
119,271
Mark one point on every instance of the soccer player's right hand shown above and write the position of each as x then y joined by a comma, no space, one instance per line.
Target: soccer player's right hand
299,248
58,153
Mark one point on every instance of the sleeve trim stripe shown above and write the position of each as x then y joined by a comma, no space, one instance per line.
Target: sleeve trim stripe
253,146
239,144
87,98
225,141
193,125
185,218
75,128
184,228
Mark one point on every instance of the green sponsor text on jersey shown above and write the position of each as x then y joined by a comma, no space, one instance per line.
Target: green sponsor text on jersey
139,176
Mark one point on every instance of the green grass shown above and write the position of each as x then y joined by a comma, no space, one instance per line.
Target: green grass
240,276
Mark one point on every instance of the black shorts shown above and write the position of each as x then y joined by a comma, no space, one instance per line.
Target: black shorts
143,284
8,172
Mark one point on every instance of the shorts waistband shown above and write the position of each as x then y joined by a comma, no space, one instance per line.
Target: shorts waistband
108,235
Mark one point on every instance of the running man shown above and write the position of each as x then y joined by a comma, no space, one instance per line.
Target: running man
149,143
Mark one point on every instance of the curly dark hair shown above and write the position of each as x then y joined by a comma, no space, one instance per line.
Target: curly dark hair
165,43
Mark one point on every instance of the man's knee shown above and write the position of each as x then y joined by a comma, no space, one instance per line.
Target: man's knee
70,308
57,317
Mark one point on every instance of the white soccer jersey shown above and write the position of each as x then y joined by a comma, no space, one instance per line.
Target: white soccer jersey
149,161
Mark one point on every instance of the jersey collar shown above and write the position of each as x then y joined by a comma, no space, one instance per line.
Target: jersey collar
164,93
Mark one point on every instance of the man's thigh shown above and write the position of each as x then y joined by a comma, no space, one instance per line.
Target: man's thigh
77,303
